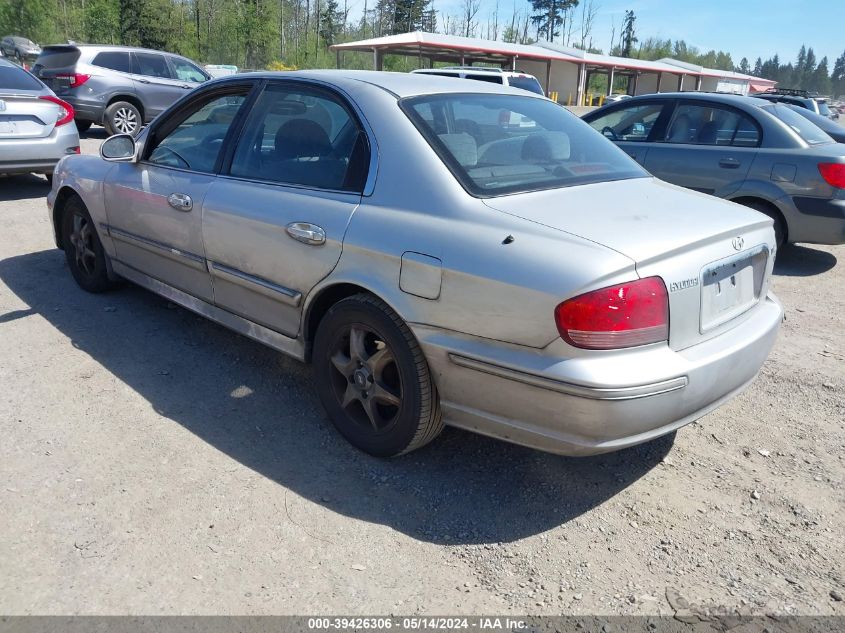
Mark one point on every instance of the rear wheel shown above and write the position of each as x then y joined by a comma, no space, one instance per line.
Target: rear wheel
83,249
122,118
373,379
765,209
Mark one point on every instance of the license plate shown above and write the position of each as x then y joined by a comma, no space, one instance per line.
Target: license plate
730,289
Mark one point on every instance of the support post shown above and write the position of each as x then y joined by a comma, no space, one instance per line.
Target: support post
548,76
378,59
463,60
698,84
610,77
659,79
513,63
337,59
681,82
582,84
632,85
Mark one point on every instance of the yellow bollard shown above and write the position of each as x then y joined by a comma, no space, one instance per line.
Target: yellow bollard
601,101
569,100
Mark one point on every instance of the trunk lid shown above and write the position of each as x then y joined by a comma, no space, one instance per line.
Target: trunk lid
714,256
26,116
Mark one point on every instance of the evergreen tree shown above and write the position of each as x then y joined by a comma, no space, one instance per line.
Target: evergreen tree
743,67
331,22
758,68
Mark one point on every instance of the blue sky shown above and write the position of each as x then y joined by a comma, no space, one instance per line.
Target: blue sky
744,28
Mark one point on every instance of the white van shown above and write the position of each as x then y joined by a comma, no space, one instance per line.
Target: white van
514,79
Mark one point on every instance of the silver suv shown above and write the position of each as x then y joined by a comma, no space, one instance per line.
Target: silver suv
119,87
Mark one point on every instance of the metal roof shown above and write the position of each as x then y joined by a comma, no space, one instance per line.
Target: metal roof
419,42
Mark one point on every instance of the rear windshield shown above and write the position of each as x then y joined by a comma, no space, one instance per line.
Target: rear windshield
526,83
498,144
14,78
808,131
58,57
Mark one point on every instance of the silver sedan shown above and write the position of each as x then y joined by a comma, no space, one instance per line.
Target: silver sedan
441,252
36,127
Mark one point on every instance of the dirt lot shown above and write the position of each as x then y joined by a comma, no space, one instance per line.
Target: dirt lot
152,462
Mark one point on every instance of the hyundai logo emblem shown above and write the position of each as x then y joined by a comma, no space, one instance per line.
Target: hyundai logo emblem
738,243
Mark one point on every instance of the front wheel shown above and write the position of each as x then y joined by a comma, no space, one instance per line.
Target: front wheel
373,379
83,249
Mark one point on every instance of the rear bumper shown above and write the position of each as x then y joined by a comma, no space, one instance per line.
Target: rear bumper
86,109
39,155
598,402
820,221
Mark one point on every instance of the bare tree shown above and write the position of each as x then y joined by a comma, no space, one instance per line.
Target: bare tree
469,11
588,15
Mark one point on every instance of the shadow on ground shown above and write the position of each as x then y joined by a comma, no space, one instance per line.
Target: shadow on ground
803,261
95,132
258,407
23,187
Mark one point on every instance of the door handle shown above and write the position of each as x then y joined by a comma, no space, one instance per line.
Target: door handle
729,163
306,233
185,86
144,81
180,201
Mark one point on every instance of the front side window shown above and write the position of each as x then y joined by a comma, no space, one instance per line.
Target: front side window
150,65
630,123
113,60
197,138
497,144
712,125
186,71
302,136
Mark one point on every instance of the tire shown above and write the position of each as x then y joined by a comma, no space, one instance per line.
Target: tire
82,126
83,249
765,209
122,117
373,379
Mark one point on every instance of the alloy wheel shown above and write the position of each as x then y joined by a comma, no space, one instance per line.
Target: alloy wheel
125,121
365,378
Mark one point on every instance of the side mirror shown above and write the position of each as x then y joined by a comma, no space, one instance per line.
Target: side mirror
119,148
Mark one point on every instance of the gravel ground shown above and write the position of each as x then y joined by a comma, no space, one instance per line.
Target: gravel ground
155,463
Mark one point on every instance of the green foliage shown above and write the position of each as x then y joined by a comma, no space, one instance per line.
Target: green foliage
548,15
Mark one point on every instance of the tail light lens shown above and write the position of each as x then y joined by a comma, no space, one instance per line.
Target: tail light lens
65,110
625,315
833,174
75,80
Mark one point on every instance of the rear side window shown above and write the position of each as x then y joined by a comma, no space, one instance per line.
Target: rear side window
712,125
492,79
302,136
57,57
14,78
113,60
526,83
150,65
823,109
497,144
809,132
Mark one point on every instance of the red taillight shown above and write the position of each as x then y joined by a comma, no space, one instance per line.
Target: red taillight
626,315
833,174
66,111
74,80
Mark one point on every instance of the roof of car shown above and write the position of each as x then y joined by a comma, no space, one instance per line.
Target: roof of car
110,47
399,84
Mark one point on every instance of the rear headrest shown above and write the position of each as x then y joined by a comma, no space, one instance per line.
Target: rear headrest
546,147
681,131
462,146
300,138
709,132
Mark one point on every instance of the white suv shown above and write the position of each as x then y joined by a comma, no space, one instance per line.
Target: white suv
514,79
